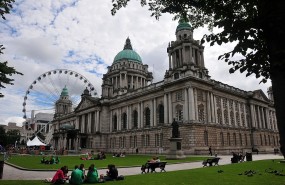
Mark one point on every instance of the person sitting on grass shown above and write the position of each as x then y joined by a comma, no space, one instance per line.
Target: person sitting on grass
52,160
77,176
60,177
112,173
92,175
57,160
43,160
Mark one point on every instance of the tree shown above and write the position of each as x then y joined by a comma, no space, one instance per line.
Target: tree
5,70
256,25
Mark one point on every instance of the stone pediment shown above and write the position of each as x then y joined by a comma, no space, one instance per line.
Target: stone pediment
87,102
259,94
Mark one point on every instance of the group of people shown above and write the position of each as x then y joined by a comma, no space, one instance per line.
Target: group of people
147,166
123,154
52,160
237,157
79,176
90,156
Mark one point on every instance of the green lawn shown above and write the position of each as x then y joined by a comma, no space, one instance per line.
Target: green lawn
33,162
233,174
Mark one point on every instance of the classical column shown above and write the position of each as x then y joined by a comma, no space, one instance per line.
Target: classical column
267,118
154,112
151,113
170,108
215,111
169,60
212,107
195,104
245,116
128,117
222,111
165,109
119,126
98,121
194,56
263,117
191,104
239,108
209,108
142,115
202,57
228,110
111,120
259,117
185,107
191,54
89,123
252,114
82,123
139,115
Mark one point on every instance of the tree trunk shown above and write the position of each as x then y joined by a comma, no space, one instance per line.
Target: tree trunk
272,20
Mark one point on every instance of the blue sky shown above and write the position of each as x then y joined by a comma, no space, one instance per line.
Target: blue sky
83,36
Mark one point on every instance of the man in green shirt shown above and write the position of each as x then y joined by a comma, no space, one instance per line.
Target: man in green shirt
77,176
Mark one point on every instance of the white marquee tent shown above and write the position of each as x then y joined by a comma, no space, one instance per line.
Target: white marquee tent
35,142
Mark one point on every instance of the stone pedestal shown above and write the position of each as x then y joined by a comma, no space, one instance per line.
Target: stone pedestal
175,151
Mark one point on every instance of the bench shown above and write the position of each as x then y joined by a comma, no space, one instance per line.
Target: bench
152,166
211,162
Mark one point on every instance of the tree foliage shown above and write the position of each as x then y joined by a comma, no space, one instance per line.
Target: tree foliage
5,70
9,137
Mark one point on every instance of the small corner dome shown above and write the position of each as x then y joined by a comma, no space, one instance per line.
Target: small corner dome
183,25
128,54
64,91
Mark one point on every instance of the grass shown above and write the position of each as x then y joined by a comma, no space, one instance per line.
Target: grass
33,162
233,174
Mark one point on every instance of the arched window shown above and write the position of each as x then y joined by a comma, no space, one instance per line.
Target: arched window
135,119
237,119
226,117
219,114
124,121
240,139
201,113
115,122
147,117
179,113
232,118
161,114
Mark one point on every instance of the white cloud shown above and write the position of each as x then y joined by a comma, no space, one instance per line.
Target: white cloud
83,36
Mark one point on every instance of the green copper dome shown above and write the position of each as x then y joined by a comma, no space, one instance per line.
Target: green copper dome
128,53
64,92
183,25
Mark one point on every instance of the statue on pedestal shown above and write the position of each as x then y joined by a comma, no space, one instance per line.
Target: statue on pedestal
175,129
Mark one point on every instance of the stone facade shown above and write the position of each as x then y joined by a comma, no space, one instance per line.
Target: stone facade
135,115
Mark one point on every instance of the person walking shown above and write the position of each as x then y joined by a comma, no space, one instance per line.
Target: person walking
210,151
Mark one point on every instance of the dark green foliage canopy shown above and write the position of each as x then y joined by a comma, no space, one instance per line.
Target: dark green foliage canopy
5,70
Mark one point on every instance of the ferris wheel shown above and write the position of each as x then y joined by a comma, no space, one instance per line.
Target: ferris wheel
45,90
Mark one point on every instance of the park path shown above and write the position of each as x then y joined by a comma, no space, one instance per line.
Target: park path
12,173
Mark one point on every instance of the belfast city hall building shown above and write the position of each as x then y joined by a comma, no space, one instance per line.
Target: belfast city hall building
134,115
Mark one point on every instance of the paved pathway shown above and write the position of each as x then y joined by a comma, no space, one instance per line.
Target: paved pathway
11,173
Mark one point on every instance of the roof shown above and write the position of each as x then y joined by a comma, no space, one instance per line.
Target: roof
128,54
183,25
35,142
64,92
